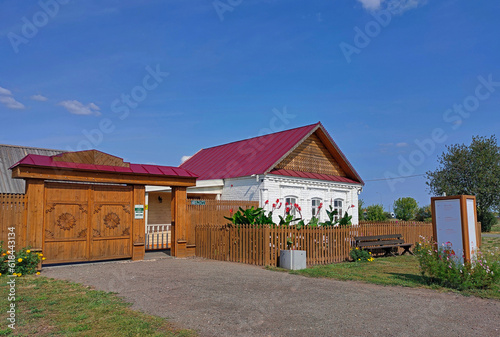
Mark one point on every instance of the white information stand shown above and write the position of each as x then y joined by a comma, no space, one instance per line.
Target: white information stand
454,223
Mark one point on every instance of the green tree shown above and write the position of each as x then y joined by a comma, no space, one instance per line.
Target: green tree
375,213
424,214
471,170
405,208
360,210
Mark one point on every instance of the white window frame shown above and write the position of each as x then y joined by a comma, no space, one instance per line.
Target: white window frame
290,204
338,204
315,210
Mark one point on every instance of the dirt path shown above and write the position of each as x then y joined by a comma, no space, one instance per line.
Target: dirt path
229,299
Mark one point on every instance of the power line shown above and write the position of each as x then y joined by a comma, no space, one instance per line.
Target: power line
401,177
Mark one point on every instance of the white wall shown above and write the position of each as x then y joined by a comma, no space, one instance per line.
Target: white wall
273,187
246,188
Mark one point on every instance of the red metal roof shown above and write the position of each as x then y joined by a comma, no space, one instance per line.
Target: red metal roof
256,156
309,175
47,161
245,157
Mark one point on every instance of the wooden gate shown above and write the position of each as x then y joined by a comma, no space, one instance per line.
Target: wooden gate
87,222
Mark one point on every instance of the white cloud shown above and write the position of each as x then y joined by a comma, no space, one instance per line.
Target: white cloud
78,108
371,4
394,6
7,99
39,98
184,158
401,144
5,92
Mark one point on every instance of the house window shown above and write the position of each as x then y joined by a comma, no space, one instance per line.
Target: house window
315,208
289,202
337,205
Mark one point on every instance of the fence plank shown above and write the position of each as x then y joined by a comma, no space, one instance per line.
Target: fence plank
262,245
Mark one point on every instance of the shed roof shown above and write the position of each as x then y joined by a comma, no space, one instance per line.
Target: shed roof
9,155
54,162
260,155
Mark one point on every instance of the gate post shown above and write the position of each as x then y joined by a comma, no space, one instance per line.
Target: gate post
33,233
179,222
138,225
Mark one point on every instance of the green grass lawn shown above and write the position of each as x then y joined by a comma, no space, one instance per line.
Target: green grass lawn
395,271
47,307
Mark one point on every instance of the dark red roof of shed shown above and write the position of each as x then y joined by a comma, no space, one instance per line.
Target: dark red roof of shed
47,161
258,155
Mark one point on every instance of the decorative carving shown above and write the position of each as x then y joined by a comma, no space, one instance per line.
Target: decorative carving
126,232
126,209
49,234
97,233
82,209
66,221
111,220
97,209
83,233
51,208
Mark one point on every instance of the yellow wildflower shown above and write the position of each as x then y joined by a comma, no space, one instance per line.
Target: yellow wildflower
28,251
8,252
43,258
38,273
19,274
40,254
19,260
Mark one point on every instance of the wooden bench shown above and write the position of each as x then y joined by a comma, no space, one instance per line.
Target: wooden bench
387,243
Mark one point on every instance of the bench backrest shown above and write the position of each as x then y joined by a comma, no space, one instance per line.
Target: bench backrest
379,240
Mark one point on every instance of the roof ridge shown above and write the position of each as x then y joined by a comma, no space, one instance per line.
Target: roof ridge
247,139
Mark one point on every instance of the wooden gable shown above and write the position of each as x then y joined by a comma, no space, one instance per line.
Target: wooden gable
92,157
312,156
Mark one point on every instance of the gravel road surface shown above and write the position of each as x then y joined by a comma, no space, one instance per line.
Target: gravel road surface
229,299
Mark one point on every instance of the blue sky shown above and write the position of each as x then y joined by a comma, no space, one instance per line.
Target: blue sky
153,81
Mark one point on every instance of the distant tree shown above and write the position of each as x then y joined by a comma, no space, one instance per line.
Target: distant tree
361,216
471,170
424,214
405,208
375,213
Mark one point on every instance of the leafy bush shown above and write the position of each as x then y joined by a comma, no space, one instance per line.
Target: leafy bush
443,267
375,213
360,255
23,262
405,208
424,214
487,220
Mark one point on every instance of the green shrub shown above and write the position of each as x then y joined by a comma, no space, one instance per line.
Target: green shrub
24,262
441,266
488,220
360,255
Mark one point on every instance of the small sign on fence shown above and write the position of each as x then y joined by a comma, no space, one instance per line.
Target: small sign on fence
198,202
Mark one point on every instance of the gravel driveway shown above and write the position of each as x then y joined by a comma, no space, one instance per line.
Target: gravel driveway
230,299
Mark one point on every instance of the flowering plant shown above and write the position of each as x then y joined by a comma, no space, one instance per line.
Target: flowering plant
26,261
360,255
442,266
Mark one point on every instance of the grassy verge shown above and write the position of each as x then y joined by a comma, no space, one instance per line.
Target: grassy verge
396,271
47,307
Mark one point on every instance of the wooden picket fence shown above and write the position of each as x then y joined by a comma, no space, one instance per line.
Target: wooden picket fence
261,245
11,215
204,212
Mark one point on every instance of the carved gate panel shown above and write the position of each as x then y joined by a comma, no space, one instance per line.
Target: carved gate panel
87,222
111,222
66,223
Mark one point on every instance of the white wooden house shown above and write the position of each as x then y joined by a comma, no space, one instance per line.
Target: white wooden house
300,166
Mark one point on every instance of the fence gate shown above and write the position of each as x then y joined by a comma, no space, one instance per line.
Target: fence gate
87,222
